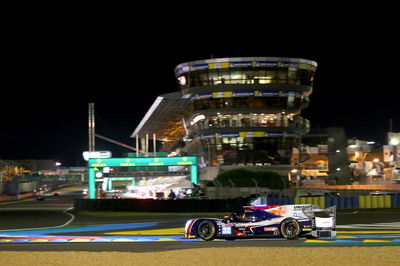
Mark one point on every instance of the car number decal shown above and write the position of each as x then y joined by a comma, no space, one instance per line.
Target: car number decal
226,230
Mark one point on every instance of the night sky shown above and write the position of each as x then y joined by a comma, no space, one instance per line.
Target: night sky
52,72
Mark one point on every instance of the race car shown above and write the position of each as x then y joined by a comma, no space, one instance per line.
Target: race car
288,221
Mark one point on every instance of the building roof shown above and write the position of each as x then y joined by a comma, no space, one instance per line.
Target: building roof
164,118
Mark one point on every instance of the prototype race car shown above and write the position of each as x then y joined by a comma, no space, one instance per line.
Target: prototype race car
288,221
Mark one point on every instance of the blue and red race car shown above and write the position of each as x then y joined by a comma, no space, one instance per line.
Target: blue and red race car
288,221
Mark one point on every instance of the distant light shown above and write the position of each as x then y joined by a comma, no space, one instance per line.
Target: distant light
197,119
293,171
173,153
370,142
338,169
375,160
337,150
106,170
394,141
96,154
353,146
99,174
182,80
58,164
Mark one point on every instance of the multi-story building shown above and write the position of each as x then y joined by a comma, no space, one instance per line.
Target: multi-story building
234,111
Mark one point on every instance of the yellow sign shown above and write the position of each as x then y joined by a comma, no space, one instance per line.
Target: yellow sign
127,164
222,94
184,163
99,165
257,134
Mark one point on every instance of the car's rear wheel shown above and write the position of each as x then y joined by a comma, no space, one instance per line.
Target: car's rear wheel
290,229
206,230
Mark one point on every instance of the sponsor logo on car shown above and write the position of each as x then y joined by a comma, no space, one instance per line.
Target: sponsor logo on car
270,229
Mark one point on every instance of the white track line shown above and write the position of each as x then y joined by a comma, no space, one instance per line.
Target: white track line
395,225
51,227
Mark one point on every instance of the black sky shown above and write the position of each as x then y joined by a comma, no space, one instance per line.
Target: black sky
53,68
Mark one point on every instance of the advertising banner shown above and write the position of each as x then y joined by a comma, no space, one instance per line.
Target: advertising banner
257,134
242,93
273,134
199,67
207,136
266,93
241,64
229,134
266,63
222,94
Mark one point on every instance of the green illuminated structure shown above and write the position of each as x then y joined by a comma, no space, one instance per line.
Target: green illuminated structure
111,179
96,165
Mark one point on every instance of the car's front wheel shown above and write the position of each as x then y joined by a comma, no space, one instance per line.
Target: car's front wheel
206,230
290,229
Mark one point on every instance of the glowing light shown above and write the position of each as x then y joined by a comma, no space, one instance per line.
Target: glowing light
375,160
182,80
394,141
197,119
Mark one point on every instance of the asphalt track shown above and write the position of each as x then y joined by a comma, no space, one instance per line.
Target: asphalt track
51,225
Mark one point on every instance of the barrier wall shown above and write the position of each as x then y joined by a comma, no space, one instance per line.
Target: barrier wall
229,205
360,202
320,201
151,205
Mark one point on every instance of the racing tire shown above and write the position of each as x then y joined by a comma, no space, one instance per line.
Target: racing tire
290,229
206,230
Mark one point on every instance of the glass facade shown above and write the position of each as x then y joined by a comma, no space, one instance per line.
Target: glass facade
252,102
254,124
221,121
259,75
247,151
